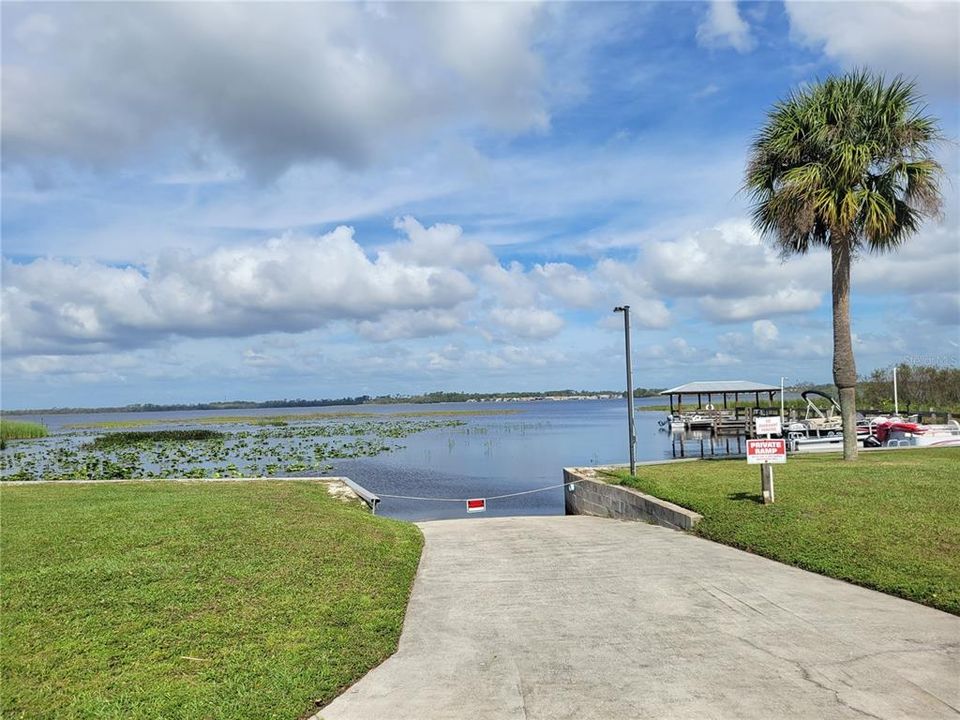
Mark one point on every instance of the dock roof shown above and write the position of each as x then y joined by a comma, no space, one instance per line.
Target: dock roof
721,386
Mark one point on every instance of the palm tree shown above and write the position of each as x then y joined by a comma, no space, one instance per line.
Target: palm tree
845,164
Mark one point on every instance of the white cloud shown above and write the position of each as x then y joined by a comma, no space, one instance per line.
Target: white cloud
97,368
438,281
720,359
680,348
403,324
50,305
784,301
531,323
440,245
765,334
488,50
511,286
735,342
626,284
680,353
917,39
261,359
927,262
288,284
723,27
567,284
454,358
272,85
728,260
734,274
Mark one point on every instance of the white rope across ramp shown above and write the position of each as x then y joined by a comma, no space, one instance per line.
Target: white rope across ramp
470,500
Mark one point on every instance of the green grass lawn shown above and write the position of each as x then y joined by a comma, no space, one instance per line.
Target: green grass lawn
890,521
169,600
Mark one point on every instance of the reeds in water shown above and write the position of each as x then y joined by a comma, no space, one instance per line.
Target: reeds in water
21,430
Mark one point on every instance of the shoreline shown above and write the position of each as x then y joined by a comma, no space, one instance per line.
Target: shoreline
274,405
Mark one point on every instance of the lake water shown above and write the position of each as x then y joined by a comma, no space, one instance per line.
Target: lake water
488,455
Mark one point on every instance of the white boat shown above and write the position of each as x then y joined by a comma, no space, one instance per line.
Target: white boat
884,432
897,433
801,443
817,422
672,423
690,420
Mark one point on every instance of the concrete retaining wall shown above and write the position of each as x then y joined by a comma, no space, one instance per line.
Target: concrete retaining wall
361,492
590,496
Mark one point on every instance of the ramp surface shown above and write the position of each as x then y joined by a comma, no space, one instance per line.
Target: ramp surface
580,617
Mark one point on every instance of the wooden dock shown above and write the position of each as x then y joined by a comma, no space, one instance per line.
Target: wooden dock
731,421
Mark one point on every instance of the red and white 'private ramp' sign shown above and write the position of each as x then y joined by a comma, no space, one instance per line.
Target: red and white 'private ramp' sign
476,505
761,452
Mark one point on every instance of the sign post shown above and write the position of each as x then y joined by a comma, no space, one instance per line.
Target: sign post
766,483
766,453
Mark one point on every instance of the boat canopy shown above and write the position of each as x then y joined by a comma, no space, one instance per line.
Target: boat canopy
722,388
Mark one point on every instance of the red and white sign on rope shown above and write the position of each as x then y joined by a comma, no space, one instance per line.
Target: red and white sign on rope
476,505
762,452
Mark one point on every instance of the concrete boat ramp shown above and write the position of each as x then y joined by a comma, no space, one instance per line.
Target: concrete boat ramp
582,617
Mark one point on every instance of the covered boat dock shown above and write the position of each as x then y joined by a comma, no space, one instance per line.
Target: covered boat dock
722,388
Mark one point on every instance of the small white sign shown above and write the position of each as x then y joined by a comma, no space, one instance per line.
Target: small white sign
768,425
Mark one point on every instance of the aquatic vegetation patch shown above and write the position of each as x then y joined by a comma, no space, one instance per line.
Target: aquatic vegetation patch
195,452
120,439
259,420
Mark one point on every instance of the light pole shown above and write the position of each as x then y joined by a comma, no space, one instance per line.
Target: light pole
896,405
625,309
782,417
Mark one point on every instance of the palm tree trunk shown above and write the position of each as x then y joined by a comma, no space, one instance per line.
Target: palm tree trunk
844,367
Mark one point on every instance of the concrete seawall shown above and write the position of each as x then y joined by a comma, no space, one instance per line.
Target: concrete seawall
586,495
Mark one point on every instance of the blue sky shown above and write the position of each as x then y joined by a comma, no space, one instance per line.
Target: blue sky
209,201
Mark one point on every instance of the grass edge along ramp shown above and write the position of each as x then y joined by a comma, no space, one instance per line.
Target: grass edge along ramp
889,521
172,600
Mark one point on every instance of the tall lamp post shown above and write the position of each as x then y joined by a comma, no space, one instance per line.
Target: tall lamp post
625,309
896,405
782,417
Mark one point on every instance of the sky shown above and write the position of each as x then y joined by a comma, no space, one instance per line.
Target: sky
210,201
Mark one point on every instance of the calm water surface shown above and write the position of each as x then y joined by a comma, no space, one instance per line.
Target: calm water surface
489,455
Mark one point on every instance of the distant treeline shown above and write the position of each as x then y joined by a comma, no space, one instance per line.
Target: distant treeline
825,388
225,405
443,396
920,388
644,392
440,396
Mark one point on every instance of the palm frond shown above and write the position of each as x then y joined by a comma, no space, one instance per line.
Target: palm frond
847,158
